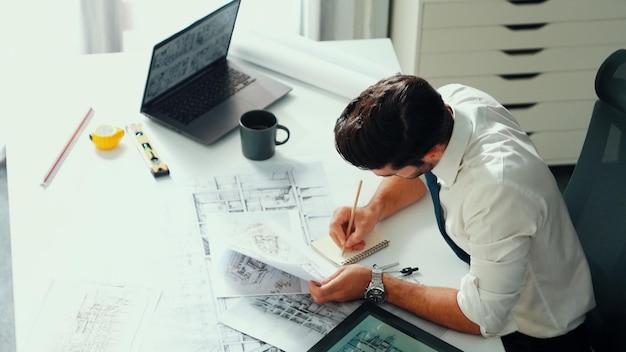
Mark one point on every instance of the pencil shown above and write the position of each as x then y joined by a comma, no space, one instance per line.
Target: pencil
352,213
68,146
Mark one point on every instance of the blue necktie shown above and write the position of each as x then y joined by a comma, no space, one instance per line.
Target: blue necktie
433,187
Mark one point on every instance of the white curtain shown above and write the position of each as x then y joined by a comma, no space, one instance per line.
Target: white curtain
345,19
101,26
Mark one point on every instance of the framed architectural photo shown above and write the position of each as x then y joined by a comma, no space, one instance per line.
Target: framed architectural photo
371,328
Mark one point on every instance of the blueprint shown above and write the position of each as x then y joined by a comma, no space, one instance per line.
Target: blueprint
263,194
79,316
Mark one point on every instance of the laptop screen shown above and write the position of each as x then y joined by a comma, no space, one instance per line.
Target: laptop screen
190,50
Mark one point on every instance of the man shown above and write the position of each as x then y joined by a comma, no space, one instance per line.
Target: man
528,279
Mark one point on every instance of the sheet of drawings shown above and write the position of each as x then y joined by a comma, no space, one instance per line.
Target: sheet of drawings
270,189
290,322
266,188
251,256
233,340
240,243
187,304
79,316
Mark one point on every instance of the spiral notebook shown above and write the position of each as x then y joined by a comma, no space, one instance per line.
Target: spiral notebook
328,249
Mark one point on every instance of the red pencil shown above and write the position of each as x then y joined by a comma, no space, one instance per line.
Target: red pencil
66,150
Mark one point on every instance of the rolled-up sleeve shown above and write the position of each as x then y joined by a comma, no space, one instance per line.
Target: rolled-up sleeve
498,228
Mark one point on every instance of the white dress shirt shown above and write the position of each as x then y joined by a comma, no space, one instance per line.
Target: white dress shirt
528,272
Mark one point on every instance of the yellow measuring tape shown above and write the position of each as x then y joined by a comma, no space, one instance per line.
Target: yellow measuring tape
106,137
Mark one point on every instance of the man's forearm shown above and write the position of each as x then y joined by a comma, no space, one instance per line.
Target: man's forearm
436,304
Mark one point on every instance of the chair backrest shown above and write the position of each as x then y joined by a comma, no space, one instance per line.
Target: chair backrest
596,198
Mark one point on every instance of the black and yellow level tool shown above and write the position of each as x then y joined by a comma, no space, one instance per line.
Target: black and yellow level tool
156,165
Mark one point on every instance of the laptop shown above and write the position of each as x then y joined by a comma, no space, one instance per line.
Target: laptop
194,89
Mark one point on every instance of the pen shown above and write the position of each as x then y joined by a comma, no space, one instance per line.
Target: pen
68,146
352,213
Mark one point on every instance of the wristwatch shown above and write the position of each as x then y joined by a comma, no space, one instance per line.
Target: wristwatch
375,292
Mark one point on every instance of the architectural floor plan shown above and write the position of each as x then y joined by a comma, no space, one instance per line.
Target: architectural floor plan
270,188
266,193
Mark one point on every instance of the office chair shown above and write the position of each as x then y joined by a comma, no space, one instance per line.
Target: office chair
596,199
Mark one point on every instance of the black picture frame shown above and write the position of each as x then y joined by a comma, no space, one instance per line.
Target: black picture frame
373,327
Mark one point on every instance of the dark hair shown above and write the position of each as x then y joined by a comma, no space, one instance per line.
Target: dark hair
394,122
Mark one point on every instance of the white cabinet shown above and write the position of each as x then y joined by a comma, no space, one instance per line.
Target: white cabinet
537,57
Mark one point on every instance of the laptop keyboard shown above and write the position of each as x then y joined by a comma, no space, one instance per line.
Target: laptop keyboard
204,93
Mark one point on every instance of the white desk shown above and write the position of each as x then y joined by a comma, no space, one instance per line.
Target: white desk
100,220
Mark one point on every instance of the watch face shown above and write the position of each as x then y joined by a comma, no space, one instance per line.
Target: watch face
375,294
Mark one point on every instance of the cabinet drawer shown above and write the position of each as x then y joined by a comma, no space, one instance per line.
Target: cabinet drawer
554,116
561,34
499,62
559,147
546,87
438,14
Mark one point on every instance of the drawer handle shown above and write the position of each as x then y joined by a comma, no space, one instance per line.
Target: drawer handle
525,2
525,26
519,106
516,52
514,76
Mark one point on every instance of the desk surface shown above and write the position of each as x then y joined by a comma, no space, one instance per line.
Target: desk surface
102,217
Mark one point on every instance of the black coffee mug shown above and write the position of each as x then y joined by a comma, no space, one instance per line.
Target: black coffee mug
258,130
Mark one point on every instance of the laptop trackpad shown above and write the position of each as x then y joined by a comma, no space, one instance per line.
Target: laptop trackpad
222,118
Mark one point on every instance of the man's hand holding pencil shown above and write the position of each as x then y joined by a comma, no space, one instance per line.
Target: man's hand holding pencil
357,219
